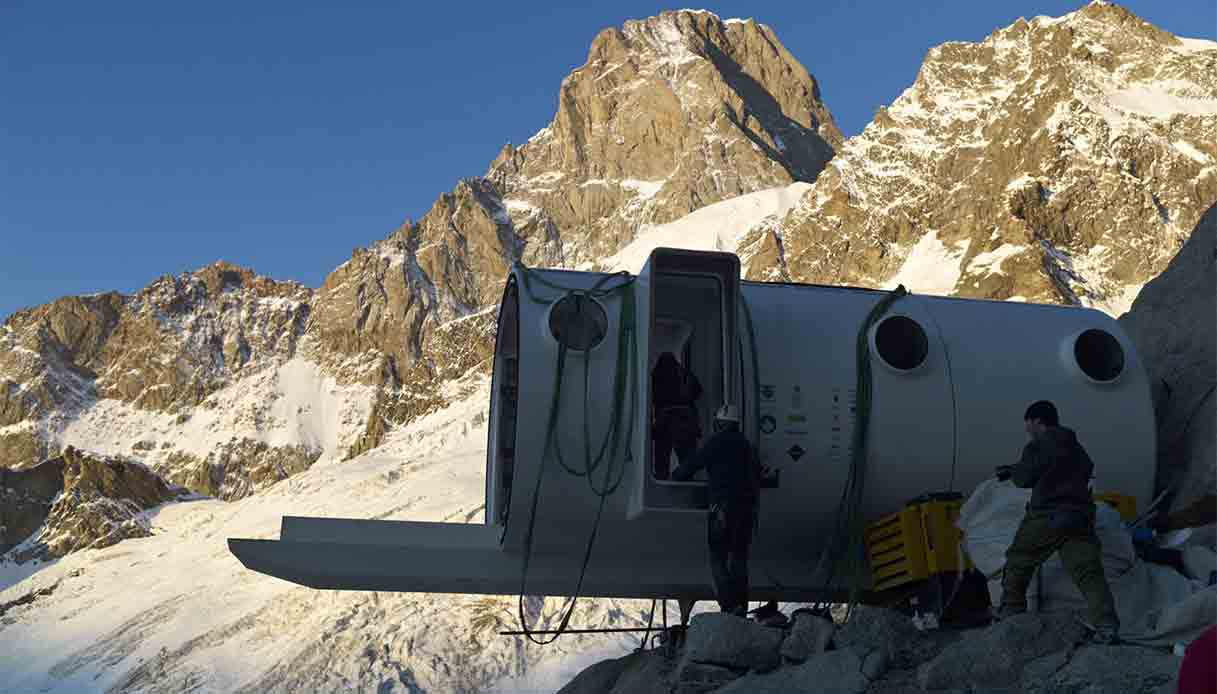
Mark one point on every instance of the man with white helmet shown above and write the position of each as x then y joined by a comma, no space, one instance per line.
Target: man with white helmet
734,480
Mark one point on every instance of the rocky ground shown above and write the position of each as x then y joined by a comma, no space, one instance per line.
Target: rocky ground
878,651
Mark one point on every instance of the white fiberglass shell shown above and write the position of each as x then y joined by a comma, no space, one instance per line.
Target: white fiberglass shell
951,381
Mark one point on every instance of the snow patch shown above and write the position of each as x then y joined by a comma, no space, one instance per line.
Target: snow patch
990,262
1020,182
931,266
293,404
542,134
1156,102
1187,45
717,227
646,189
279,303
1191,152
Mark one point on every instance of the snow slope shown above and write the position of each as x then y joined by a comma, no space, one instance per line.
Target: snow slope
176,611
290,404
717,227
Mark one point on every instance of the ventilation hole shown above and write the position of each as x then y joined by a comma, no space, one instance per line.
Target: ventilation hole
902,343
1099,355
578,322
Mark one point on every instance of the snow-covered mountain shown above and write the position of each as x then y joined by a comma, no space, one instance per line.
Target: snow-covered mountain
175,611
1059,160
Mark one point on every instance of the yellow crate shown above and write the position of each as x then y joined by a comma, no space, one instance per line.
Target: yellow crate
943,552
1125,504
914,543
895,550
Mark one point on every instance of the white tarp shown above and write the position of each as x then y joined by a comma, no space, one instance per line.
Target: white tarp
1157,605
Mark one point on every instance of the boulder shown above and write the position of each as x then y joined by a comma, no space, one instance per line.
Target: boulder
834,672
698,678
721,639
995,656
1173,323
871,629
809,636
650,673
601,677
1125,669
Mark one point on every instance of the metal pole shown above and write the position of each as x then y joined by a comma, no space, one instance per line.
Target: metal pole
577,631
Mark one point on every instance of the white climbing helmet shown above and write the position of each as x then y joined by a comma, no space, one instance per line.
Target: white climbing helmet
727,413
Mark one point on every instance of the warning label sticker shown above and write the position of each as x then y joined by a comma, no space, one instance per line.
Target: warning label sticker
769,424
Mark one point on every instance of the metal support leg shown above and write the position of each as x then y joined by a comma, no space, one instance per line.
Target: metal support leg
686,609
674,636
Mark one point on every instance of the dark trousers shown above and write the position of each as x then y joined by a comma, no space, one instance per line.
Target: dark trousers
729,533
685,447
1042,533
676,429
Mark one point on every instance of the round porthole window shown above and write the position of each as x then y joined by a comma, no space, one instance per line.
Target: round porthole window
902,343
1099,355
578,322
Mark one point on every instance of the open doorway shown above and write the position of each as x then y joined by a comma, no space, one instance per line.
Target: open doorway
687,327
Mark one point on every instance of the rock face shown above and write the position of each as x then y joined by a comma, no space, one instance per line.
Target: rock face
669,114
87,503
25,500
1059,160
162,351
1173,322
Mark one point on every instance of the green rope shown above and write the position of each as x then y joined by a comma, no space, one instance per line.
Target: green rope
627,358
846,549
756,371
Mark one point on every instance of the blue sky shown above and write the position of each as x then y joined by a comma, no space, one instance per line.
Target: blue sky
144,138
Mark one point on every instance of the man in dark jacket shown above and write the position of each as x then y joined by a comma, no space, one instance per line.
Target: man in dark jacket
1060,518
674,394
734,478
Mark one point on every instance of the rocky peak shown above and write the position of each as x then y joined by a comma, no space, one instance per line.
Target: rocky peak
76,501
164,348
668,114
1059,160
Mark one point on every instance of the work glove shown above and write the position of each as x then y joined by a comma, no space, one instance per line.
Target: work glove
1003,472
